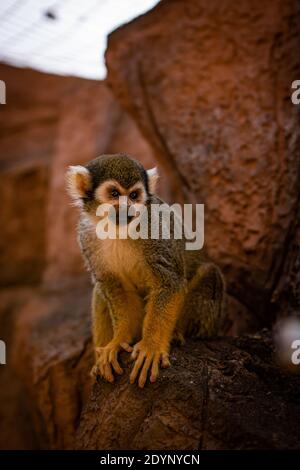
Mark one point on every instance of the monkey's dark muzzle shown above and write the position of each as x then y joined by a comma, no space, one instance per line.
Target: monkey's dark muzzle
120,217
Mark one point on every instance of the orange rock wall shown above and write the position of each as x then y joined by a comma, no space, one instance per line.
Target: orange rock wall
48,123
209,84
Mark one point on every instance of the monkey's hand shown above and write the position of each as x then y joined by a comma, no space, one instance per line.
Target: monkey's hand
148,357
107,360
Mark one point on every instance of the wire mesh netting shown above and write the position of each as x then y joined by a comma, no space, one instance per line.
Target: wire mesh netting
66,37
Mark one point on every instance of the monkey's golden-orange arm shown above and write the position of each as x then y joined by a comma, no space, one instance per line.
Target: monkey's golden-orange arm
162,312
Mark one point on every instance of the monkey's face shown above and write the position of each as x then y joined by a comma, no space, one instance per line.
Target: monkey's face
110,179
113,193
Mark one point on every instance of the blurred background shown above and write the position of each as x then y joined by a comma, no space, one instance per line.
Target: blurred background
200,90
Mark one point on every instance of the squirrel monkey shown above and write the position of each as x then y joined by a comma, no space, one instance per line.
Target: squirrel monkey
147,292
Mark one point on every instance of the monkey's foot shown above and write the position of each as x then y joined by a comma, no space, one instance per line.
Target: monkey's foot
147,357
107,362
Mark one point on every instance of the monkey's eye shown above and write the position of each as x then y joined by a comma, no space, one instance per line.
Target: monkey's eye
133,195
115,193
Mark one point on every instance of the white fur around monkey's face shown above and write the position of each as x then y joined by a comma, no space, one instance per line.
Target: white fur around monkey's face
107,179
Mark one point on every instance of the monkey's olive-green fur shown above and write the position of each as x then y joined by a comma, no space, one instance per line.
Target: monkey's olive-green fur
147,291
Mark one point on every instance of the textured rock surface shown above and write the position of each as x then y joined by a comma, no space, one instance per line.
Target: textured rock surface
53,332
27,144
48,123
16,430
209,85
221,394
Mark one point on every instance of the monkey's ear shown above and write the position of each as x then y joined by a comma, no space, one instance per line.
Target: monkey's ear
153,178
79,182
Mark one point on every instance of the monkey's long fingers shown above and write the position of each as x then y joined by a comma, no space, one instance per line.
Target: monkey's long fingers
107,372
105,367
127,347
136,351
155,368
113,359
101,370
165,362
144,371
137,366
